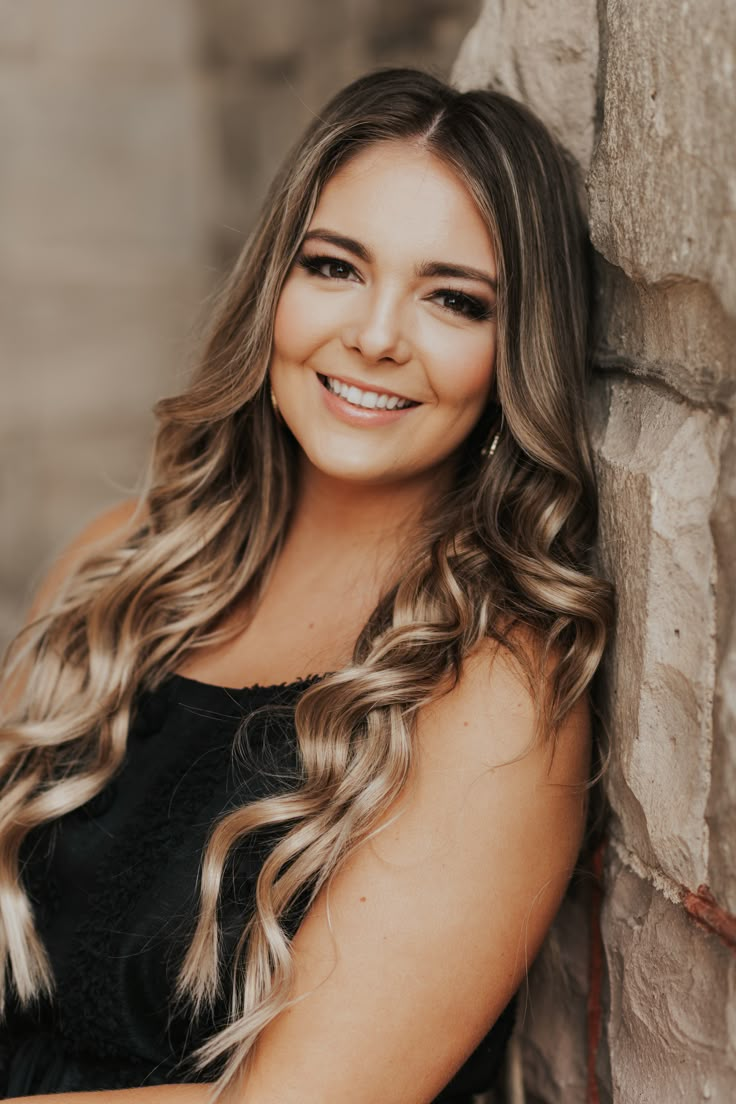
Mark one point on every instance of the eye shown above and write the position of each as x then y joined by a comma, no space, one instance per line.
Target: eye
467,306
329,268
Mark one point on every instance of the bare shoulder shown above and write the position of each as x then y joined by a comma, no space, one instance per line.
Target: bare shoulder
105,532
492,713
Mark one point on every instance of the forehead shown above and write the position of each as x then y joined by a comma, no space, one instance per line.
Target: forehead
401,198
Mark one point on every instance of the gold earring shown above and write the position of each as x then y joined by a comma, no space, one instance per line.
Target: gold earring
274,404
488,450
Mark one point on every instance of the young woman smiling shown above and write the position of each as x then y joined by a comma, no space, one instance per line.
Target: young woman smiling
296,748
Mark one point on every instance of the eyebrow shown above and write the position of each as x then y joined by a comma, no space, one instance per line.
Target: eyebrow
461,272
428,268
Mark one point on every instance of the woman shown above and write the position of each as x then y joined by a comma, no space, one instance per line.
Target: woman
374,506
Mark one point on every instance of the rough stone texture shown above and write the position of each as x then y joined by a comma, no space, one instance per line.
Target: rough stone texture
545,54
554,1045
656,109
677,334
721,813
670,1028
658,465
663,206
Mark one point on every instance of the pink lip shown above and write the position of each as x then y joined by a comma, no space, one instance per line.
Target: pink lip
359,415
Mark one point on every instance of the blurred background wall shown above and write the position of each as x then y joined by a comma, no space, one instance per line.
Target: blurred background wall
137,139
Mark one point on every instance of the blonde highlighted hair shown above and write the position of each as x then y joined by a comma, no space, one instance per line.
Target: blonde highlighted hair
509,546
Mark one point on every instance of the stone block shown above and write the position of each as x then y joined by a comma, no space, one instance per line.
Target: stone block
722,806
657,462
678,333
661,182
543,54
671,999
114,167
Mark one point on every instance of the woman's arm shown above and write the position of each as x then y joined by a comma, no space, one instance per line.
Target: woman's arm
429,928
157,1094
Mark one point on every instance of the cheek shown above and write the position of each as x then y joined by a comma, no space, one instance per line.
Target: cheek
300,326
288,324
463,371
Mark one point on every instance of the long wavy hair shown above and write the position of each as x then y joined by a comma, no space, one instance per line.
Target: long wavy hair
509,546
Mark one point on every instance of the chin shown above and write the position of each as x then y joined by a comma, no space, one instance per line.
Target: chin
370,470
355,471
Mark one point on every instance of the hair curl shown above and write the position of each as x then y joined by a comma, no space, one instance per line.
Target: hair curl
509,546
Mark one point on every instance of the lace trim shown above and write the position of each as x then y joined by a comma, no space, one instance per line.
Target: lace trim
251,688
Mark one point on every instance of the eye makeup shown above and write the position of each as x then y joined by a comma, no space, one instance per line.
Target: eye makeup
456,302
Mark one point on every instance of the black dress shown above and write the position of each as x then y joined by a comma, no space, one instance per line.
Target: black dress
114,888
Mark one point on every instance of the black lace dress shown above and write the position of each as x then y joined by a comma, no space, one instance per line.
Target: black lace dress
114,888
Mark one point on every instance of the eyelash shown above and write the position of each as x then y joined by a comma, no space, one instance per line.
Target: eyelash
476,310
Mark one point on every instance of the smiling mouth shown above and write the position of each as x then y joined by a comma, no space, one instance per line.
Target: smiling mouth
368,400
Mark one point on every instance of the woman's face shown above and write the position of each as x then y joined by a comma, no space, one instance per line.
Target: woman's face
385,333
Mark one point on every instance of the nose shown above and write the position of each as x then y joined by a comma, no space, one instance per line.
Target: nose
377,329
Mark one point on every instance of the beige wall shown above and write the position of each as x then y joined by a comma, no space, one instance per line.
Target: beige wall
644,96
137,140
105,198
269,67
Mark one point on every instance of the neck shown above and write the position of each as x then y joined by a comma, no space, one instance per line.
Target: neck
354,519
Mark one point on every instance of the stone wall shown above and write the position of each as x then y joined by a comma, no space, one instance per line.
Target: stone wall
137,142
643,94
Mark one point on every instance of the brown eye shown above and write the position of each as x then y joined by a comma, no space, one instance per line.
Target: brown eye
329,268
467,306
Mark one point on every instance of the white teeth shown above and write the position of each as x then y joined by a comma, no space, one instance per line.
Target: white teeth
368,399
